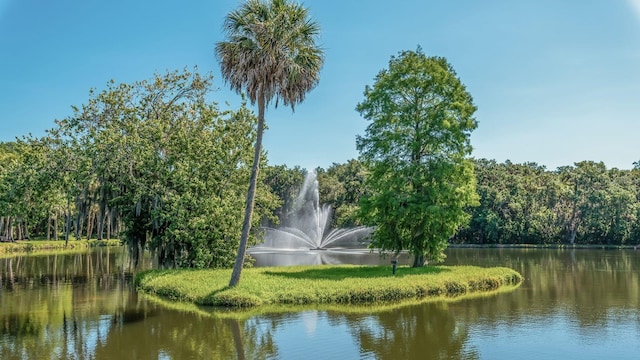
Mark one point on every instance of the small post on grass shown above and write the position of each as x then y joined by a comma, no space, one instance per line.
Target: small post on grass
394,264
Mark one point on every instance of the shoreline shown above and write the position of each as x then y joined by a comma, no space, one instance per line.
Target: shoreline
322,285
547,246
25,247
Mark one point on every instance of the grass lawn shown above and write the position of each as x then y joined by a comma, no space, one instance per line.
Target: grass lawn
323,284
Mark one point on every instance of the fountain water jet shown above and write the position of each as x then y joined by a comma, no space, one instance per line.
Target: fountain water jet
306,228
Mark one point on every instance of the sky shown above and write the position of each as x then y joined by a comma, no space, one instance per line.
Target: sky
555,81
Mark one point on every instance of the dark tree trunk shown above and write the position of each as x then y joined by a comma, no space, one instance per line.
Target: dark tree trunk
55,227
10,228
49,227
67,229
418,261
108,223
26,230
102,211
90,222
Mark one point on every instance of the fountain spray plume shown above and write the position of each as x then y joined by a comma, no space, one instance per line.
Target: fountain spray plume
305,228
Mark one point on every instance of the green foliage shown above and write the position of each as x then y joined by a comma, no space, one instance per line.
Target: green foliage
303,285
342,186
416,149
285,184
154,162
271,51
527,204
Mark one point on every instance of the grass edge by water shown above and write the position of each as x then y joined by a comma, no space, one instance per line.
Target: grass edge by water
23,247
246,313
324,285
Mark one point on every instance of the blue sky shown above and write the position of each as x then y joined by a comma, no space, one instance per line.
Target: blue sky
555,81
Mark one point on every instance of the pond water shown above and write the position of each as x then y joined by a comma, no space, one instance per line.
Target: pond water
573,304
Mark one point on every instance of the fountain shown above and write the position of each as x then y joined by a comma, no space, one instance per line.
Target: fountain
306,228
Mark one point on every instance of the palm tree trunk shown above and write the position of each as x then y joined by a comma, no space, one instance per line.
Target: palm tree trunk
253,183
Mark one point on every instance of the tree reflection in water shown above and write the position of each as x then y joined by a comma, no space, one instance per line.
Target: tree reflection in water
83,306
427,331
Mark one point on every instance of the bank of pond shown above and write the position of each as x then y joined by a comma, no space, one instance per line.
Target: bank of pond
324,284
47,246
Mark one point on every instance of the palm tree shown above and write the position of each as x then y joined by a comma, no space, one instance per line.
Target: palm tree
271,52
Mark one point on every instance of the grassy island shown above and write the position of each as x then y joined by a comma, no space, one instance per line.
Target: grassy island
323,284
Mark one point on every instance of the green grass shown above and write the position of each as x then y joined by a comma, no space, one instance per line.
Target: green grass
40,246
246,313
323,285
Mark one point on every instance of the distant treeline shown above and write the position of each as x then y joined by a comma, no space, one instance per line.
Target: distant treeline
158,165
519,203
581,204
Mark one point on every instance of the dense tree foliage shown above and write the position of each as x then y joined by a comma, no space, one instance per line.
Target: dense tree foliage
519,203
342,186
271,52
285,183
160,166
417,147
153,161
581,204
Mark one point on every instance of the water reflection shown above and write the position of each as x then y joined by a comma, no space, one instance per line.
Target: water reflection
573,304
83,306
588,283
427,331
58,306
175,335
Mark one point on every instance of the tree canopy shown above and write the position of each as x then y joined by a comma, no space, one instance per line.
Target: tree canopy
154,162
527,204
416,149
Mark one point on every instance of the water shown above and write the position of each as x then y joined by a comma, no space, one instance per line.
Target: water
307,227
573,304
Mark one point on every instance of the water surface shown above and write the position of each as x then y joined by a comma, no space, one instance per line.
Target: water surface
573,304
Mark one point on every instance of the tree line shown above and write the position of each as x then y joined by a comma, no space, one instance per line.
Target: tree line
156,163
585,203
159,165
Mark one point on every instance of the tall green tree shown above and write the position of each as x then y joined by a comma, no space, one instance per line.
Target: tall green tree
166,163
271,52
417,147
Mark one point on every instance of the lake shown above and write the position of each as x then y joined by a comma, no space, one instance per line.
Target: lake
573,304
